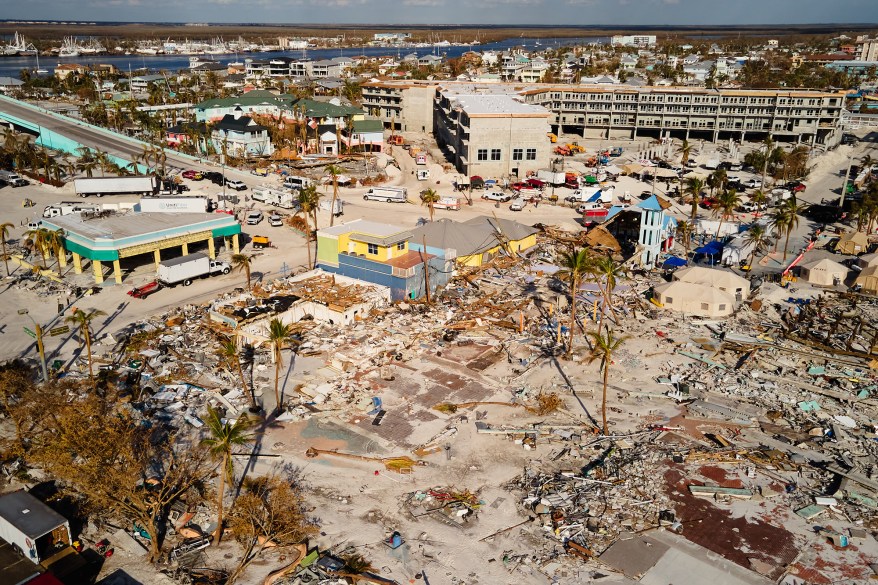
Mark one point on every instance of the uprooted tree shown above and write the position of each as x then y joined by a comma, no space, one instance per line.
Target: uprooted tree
119,465
270,513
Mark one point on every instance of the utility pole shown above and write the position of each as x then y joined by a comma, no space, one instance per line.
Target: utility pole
426,268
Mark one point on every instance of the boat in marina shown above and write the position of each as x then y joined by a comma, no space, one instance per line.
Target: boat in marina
19,46
69,48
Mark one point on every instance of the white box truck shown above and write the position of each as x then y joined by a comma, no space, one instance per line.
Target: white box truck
388,194
337,209
34,529
192,204
282,199
551,177
100,186
185,269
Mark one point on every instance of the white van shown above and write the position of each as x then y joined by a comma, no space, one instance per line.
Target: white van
388,194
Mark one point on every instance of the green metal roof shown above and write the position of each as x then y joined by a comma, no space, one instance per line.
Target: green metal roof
368,126
251,98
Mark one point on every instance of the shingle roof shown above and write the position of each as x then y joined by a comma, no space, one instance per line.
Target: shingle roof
242,124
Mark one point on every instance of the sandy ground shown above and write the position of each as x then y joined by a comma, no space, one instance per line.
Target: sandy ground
358,502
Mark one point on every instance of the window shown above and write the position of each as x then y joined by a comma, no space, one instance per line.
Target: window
495,154
722,307
482,154
531,154
705,307
517,154
668,300
373,248
400,246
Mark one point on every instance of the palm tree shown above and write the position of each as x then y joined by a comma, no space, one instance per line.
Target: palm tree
792,222
221,438
769,147
717,180
725,207
606,269
4,233
229,351
575,266
604,346
242,262
55,243
756,236
685,229
83,320
777,221
279,334
87,165
103,160
428,198
684,150
333,171
759,198
694,187
40,238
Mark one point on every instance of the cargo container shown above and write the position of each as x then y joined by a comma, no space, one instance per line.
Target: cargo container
145,185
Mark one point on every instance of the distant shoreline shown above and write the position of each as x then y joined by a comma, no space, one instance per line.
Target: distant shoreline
45,31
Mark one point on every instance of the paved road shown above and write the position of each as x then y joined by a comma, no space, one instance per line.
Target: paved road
116,145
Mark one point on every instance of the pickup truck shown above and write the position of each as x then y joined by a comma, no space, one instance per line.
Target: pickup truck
496,196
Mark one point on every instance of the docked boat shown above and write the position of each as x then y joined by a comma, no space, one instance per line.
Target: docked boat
69,48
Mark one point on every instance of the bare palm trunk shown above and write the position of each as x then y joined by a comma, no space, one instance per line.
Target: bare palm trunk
5,257
91,373
276,382
308,239
719,227
786,245
572,317
218,535
332,205
244,383
604,397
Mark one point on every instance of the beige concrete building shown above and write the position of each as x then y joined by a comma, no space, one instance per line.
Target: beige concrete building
615,111
486,132
407,105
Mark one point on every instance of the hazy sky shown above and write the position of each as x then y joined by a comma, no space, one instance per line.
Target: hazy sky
578,12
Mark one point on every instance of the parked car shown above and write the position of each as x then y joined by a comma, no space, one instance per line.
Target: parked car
736,185
254,217
536,183
213,177
753,183
193,175
517,205
519,186
496,196
796,186
236,185
751,207
275,220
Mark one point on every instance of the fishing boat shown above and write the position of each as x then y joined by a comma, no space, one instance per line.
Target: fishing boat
19,46
69,48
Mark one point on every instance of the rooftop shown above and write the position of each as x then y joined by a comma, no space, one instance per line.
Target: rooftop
28,514
125,225
363,226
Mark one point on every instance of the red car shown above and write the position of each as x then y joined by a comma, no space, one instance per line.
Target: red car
536,183
795,186
193,175
520,185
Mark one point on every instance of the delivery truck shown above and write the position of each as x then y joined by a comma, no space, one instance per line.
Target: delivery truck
100,186
34,530
185,269
388,194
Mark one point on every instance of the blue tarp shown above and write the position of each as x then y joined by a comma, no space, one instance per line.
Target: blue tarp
673,261
710,249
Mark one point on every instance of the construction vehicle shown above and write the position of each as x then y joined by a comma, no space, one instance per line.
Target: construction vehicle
396,140
616,151
552,137
260,242
401,464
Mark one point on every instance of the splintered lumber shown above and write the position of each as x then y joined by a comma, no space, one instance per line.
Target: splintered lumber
401,464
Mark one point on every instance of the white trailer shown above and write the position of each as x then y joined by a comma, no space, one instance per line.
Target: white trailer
337,209
423,174
145,185
297,182
710,227
32,528
185,269
192,204
388,194
552,177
